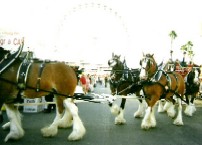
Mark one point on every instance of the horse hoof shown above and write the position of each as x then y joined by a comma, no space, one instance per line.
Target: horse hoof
145,127
49,131
77,135
178,123
138,115
14,135
120,121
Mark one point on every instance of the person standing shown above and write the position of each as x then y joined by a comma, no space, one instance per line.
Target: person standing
83,83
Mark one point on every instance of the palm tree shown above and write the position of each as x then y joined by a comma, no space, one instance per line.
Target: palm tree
187,49
184,49
172,35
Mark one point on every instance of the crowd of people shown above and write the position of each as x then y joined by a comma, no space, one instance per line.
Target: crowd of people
89,82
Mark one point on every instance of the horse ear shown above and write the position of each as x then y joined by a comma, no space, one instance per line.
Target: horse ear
143,54
152,55
112,54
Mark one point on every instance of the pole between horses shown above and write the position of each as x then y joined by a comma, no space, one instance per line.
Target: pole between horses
101,101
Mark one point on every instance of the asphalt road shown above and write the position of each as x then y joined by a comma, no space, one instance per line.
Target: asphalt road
101,130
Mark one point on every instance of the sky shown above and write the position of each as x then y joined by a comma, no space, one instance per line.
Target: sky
90,30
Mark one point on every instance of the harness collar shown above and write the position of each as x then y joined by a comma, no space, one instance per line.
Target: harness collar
8,60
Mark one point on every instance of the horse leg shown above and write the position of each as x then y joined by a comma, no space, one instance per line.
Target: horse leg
78,128
16,130
52,129
141,109
169,107
178,119
67,120
160,106
120,117
149,119
192,102
119,112
190,107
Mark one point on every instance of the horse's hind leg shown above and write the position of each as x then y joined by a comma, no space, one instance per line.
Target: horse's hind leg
178,120
160,106
67,119
141,109
78,128
52,129
16,130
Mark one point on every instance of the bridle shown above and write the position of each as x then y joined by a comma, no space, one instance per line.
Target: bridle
149,61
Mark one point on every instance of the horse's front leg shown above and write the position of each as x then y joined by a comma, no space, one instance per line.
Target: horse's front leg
16,130
190,107
149,119
178,119
118,112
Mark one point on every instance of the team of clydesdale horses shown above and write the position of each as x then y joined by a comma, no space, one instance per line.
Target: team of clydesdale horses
150,83
154,84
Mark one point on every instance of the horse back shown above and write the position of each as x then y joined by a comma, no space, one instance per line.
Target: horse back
177,83
54,76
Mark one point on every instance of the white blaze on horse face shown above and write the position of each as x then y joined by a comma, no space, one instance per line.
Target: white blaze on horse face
143,73
112,63
196,77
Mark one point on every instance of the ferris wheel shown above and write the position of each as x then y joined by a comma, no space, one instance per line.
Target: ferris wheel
92,27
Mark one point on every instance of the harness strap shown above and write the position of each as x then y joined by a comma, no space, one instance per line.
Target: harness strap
176,81
39,76
22,74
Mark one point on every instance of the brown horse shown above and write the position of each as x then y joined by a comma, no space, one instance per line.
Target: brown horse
124,81
157,84
42,78
190,72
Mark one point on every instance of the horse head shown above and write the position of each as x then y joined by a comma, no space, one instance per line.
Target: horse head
115,62
193,76
148,66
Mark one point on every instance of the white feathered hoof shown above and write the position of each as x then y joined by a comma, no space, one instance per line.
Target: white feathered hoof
145,126
77,134
189,110
115,109
14,135
138,114
49,131
120,121
178,122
